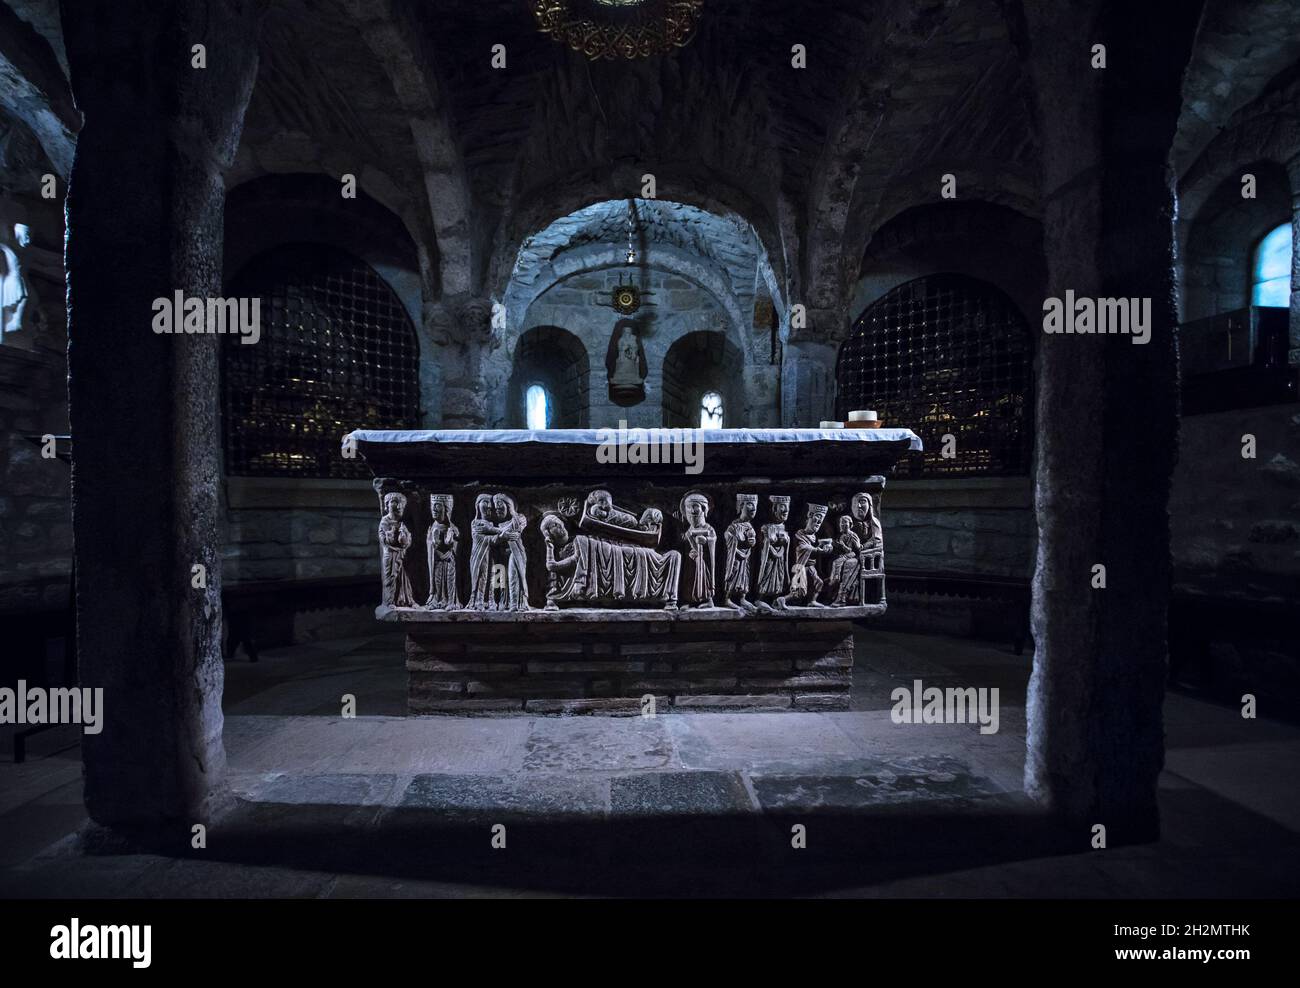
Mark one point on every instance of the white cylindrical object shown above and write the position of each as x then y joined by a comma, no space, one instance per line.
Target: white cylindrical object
831,425
862,416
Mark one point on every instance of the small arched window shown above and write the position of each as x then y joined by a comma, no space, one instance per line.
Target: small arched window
1271,269
711,410
537,407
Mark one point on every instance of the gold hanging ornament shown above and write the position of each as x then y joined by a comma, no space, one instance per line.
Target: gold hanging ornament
619,28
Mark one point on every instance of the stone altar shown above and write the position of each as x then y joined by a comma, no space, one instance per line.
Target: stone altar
555,580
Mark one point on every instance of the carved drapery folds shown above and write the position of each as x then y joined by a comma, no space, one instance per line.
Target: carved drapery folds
602,555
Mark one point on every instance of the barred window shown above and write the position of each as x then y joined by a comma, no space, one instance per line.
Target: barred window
946,356
337,352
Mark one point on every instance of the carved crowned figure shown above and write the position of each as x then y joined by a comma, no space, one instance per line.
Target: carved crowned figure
773,549
805,582
442,540
740,539
394,540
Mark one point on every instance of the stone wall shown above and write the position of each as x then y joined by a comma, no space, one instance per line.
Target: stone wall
281,529
680,307
607,667
35,505
1236,521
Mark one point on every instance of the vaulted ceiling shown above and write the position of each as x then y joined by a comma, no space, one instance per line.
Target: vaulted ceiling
477,159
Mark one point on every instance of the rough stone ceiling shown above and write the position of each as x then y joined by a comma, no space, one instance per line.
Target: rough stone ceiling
1240,47
728,243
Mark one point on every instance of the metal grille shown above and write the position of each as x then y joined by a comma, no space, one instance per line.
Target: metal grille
337,352
944,355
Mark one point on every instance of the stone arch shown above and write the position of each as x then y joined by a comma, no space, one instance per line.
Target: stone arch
337,351
546,206
992,243
557,360
946,354
603,257
696,363
306,208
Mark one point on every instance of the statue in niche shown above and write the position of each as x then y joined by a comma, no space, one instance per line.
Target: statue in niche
701,541
19,308
394,540
626,364
805,582
484,533
512,525
843,588
443,539
611,560
740,539
775,545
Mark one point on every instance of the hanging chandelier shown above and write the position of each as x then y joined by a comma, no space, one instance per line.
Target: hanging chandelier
619,28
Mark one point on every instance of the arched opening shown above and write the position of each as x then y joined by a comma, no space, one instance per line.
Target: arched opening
949,356
550,381
697,365
337,352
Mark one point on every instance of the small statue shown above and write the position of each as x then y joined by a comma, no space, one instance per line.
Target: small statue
740,539
483,536
394,540
612,560
511,535
19,308
772,567
844,587
443,539
805,582
625,364
701,541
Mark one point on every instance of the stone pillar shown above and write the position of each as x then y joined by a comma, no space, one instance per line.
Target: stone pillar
144,219
1107,410
476,376
807,384
1293,176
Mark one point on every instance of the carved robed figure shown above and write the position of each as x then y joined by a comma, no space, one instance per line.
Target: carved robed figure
394,540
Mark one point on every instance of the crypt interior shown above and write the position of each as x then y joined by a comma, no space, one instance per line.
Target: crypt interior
782,214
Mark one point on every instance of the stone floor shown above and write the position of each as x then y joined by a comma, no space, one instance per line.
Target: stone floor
681,804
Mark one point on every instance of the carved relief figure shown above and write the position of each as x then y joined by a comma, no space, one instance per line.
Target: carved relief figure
805,582
511,536
772,566
394,540
871,556
483,536
844,588
740,539
612,559
443,539
701,541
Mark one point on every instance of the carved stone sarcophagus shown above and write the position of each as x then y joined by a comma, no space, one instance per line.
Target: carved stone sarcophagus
543,539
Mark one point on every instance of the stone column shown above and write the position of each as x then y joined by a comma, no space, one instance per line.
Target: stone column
1293,175
476,375
1107,410
144,219
807,383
